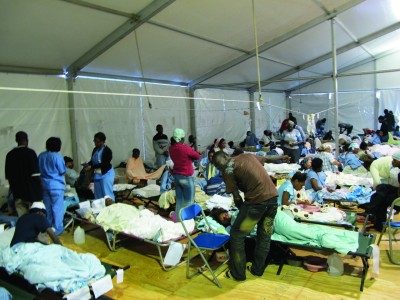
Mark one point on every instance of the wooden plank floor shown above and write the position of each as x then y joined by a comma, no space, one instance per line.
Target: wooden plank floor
146,279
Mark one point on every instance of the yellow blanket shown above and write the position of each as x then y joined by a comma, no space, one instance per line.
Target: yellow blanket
135,170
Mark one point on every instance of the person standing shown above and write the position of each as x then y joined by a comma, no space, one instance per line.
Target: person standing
384,130
247,174
160,146
52,169
182,156
291,139
100,163
23,175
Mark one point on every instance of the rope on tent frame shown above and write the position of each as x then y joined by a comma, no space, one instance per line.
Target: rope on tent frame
141,70
153,96
257,59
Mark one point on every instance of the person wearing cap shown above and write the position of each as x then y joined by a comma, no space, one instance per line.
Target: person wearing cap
30,225
182,156
381,167
52,169
160,146
351,163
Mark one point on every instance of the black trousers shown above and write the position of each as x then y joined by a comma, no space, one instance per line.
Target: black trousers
384,196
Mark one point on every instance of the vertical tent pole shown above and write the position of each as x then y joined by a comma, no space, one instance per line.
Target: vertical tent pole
335,87
72,122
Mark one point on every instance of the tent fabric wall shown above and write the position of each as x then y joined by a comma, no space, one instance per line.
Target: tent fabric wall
355,108
118,116
40,114
389,99
272,113
388,80
221,114
172,111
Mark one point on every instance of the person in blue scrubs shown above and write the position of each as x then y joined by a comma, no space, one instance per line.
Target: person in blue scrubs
315,177
52,169
100,163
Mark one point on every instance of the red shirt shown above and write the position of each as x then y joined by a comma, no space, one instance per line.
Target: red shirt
183,157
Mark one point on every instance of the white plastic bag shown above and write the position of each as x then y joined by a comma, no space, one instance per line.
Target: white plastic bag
335,265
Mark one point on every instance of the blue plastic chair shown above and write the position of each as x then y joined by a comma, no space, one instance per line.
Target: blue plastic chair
205,243
392,230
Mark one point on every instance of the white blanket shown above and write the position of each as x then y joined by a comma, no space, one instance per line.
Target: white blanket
141,223
281,168
51,266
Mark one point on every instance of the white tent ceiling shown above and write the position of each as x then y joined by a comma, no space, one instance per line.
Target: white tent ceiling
207,43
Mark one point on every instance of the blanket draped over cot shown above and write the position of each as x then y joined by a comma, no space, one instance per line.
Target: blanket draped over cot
135,170
51,266
289,231
140,223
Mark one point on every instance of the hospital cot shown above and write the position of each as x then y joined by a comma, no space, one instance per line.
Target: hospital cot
364,251
114,239
20,288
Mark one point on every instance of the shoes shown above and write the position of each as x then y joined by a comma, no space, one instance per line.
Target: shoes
229,275
252,273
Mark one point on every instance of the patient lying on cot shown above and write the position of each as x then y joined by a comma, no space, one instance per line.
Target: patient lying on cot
135,171
286,229
29,226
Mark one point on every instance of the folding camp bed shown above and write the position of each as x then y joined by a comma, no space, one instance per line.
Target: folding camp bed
349,223
364,251
148,194
114,239
20,288
122,191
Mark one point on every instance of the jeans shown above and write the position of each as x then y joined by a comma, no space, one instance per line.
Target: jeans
54,203
184,190
250,215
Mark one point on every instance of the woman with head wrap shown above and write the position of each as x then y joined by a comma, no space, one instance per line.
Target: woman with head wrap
182,156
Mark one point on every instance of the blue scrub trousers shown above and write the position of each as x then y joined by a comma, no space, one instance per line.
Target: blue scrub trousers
103,185
54,202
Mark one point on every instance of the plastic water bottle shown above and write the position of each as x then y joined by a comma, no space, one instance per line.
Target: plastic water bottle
79,236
